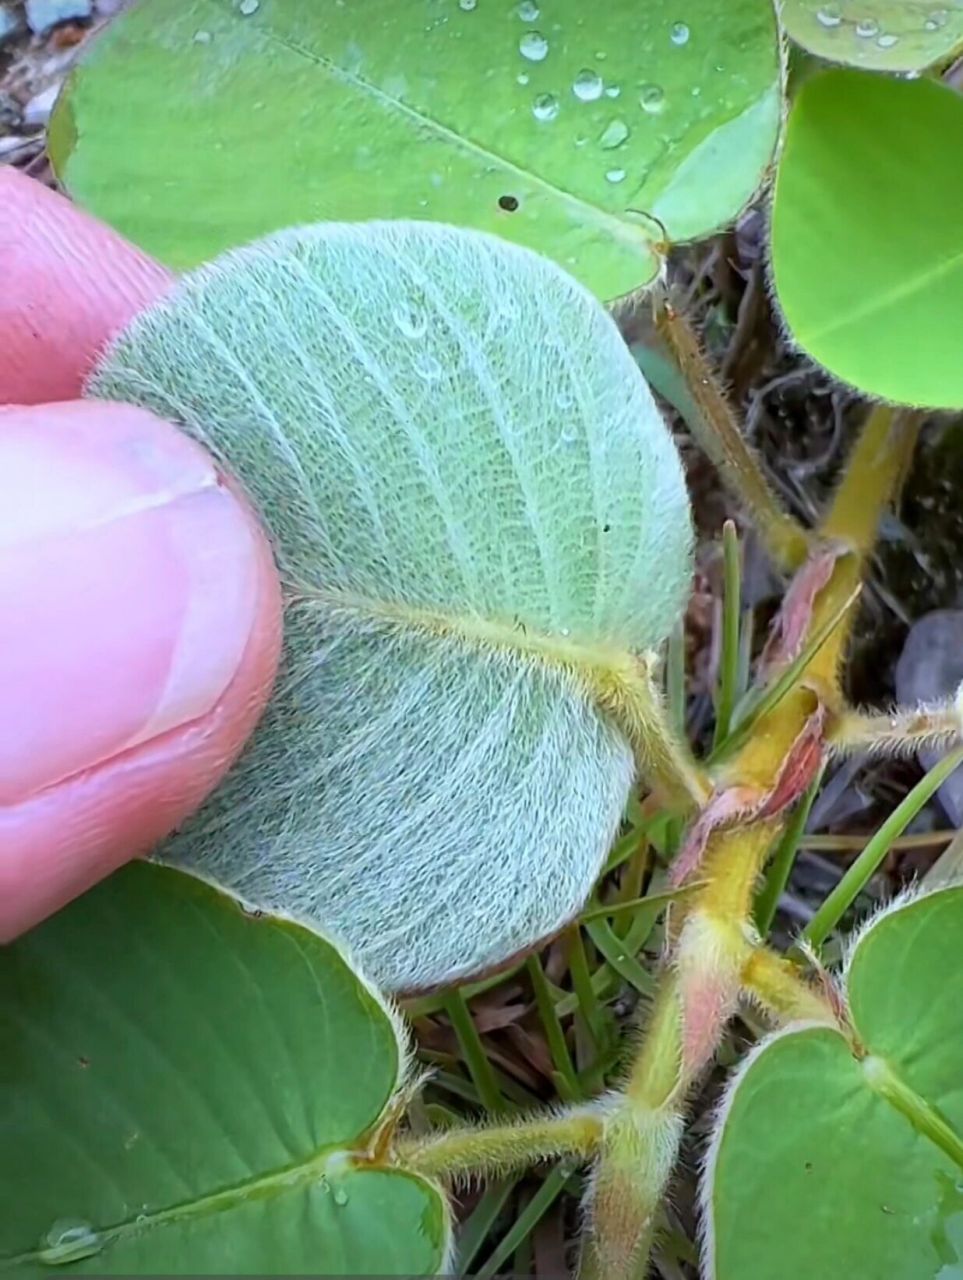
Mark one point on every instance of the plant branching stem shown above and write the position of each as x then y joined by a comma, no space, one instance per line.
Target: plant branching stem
899,732
713,956
720,437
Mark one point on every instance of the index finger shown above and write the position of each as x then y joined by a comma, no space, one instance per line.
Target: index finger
67,284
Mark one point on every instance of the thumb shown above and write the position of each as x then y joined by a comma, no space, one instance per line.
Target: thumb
139,633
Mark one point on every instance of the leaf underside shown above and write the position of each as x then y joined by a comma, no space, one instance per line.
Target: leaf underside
458,458
180,1088
624,124
811,1161
866,249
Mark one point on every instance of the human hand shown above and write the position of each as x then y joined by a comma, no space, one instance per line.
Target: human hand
140,614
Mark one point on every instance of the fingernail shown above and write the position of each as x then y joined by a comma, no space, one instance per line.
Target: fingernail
127,587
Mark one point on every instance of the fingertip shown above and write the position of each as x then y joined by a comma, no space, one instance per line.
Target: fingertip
97,770
69,284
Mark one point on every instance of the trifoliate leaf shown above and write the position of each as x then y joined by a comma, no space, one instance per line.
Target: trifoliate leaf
474,502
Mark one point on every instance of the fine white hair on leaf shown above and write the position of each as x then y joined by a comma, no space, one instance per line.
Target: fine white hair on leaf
435,422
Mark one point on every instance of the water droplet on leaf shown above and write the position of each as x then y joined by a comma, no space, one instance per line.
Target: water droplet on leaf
613,135
612,91
614,175
937,19
533,46
679,33
202,37
829,16
652,98
866,28
521,78
339,1196
545,106
887,40
69,1240
428,367
466,6
588,85
247,7
528,11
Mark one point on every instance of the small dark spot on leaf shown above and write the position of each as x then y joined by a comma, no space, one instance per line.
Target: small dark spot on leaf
606,528
508,203
255,913
808,1166
83,1062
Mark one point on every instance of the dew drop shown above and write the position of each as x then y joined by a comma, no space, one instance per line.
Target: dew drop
887,40
867,28
614,175
202,37
829,16
466,6
533,46
428,367
569,436
565,631
679,33
69,1240
652,99
937,19
411,323
581,140
247,7
564,399
613,135
545,107
521,78
339,1196
528,11
613,91
587,85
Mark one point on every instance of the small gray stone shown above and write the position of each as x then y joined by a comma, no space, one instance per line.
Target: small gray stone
931,667
42,15
37,111
11,24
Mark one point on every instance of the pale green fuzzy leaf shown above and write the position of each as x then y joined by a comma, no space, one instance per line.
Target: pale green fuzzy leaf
457,455
876,35
851,1162
586,131
184,1089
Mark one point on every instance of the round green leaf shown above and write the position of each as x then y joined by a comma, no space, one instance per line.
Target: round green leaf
867,253
182,1089
837,1164
573,130
472,494
878,35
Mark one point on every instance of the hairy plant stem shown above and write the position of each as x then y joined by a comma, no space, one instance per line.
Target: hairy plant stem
470,1151
723,441
714,955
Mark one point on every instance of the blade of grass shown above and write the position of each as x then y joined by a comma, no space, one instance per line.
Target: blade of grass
854,881
653,903
781,864
786,681
729,649
473,1051
616,953
476,1228
567,1080
527,1220
586,997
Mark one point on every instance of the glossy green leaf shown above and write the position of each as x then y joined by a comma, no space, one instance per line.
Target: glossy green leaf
183,1087
837,1163
197,126
877,35
867,254
472,495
